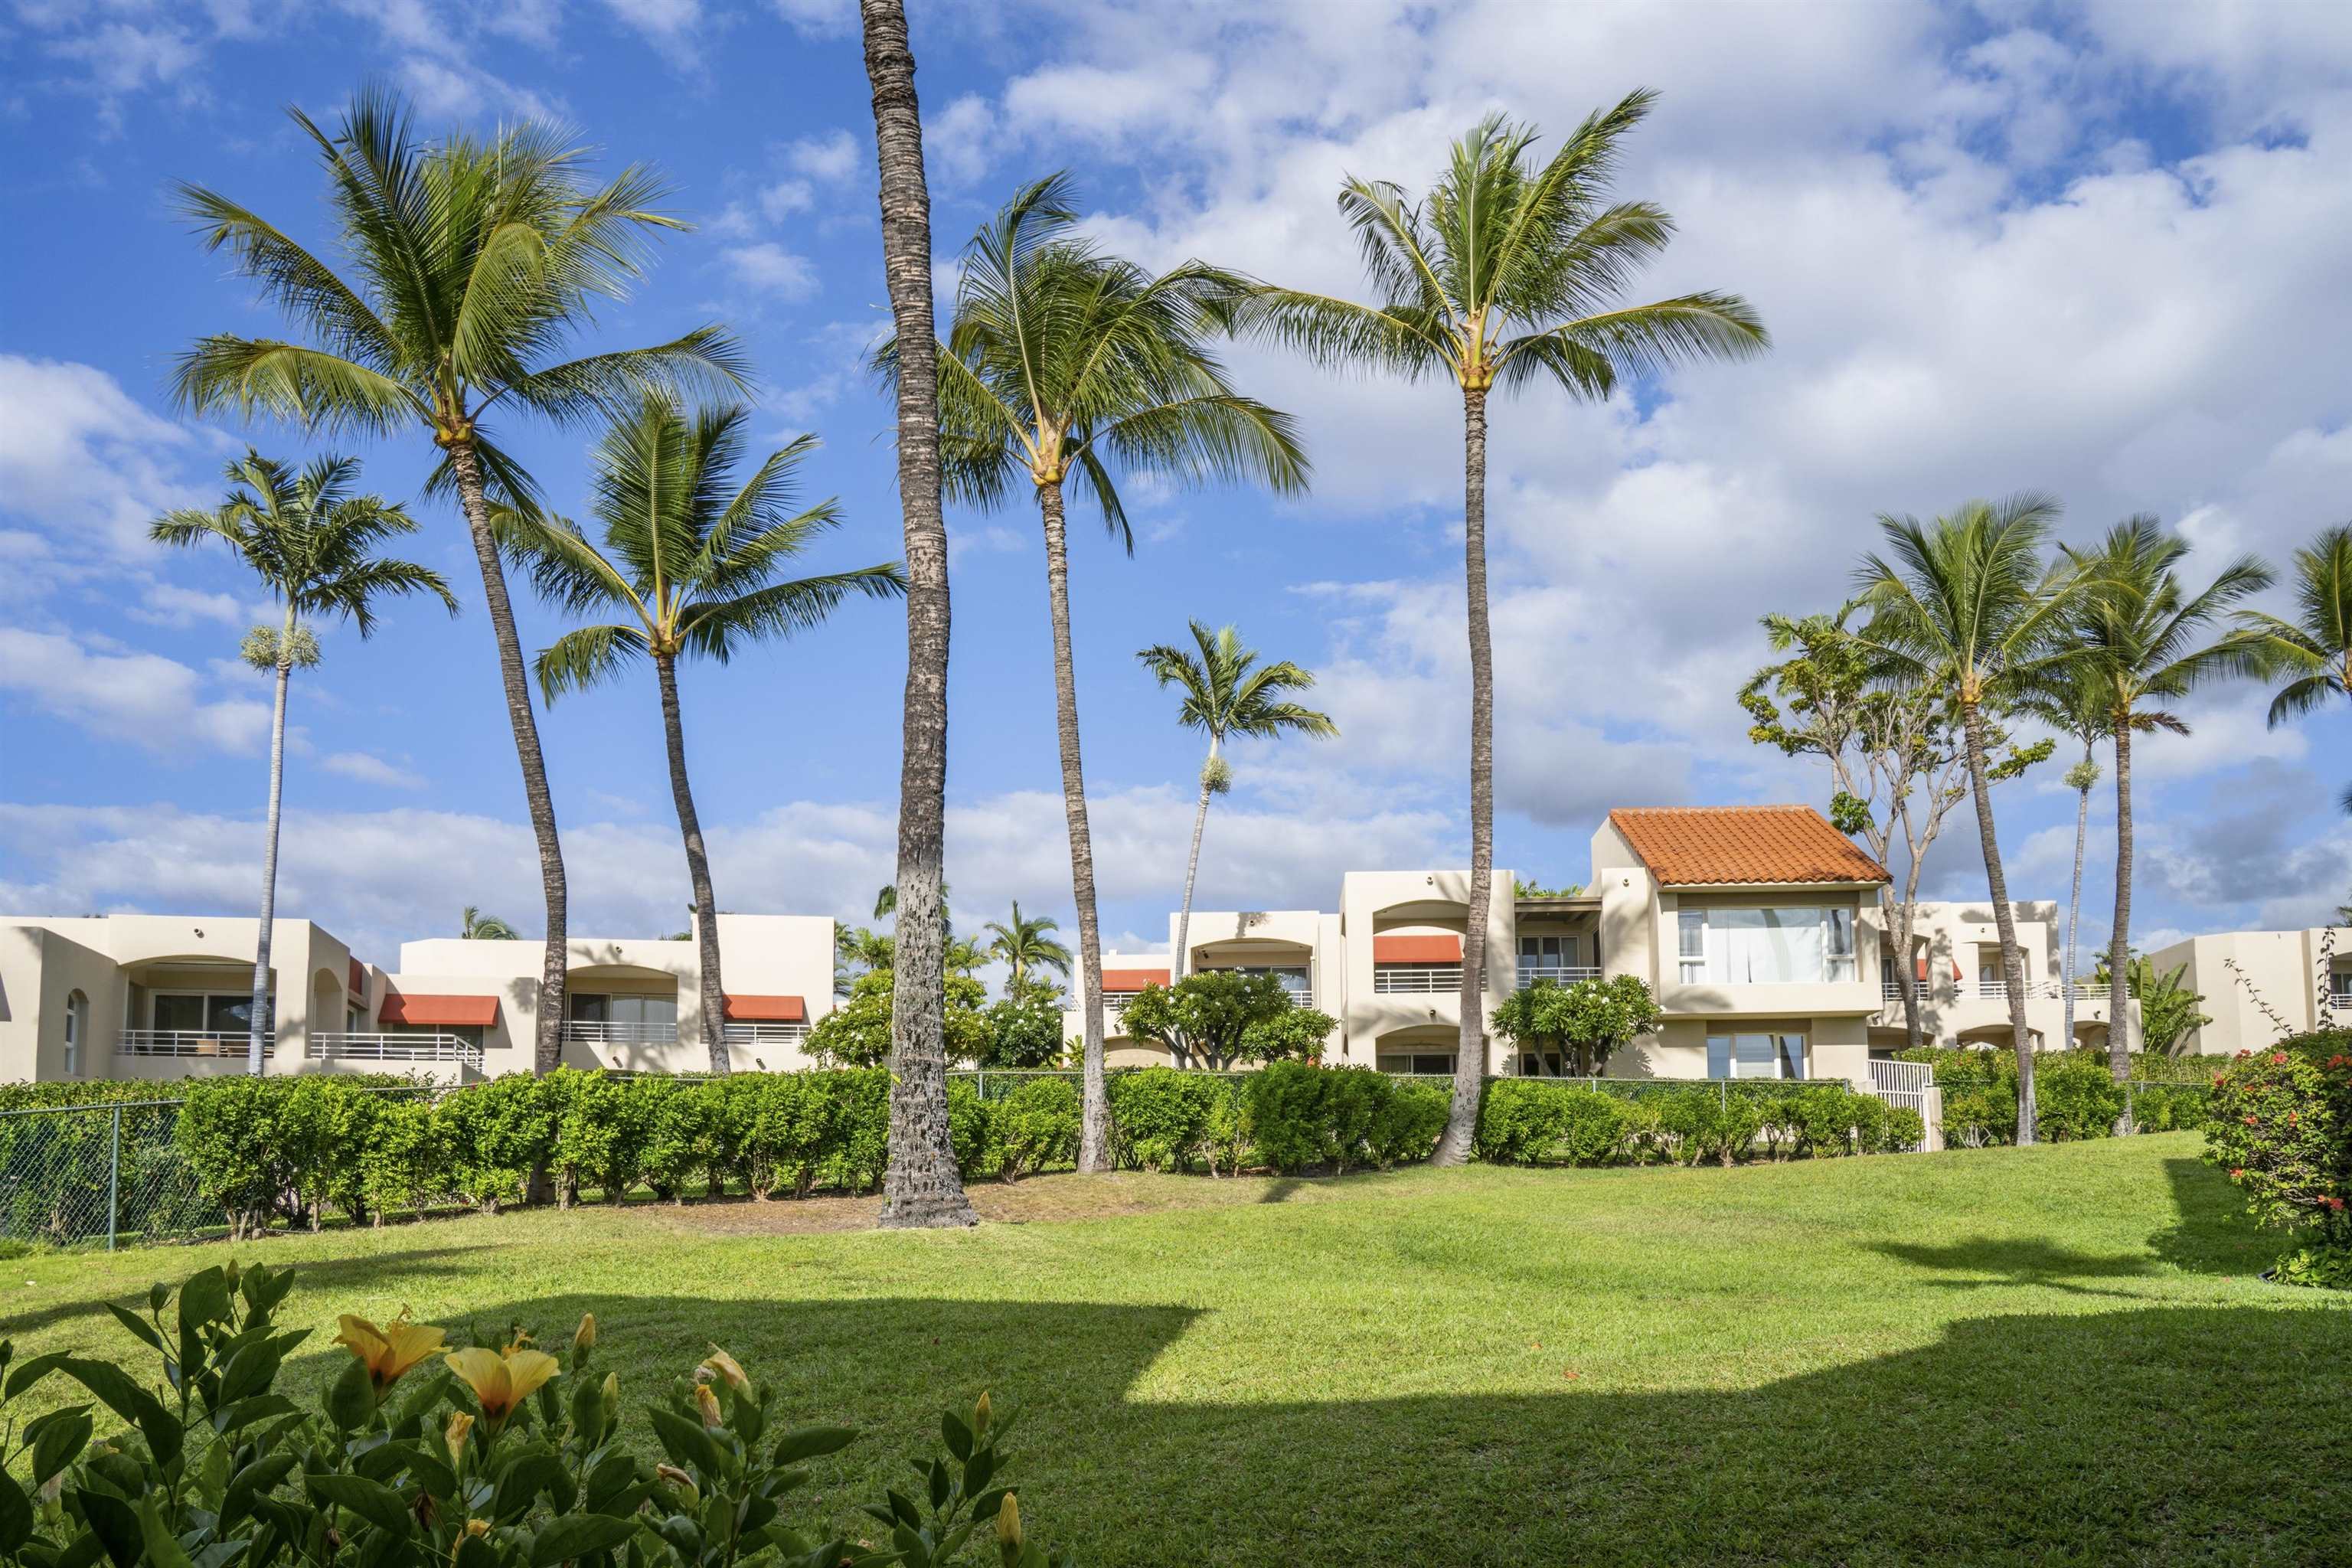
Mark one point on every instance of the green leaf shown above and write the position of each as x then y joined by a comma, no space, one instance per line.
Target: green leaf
372,1500
351,1398
531,1474
55,1440
204,1300
578,1535
813,1442
475,1552
128,1400
264,1475
164,1548
138,1325
15,1514
115,1523
33,1371
689,1446
957,1435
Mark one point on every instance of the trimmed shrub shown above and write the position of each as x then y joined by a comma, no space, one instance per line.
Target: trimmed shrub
861,1126
1160,1117
1519,1120
1225,1137
1289,1128
229,1132
1408,1127
968,1120
2075,1096
795,1125
1035,1126
405,1162
498,1134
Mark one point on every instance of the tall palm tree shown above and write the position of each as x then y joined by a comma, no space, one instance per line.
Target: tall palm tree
1965,606
312,543
1506,273
2314,649
2075,706
1062,361
690,562
921,1186
1024,945
476,926
2144,639
473,265
1224,696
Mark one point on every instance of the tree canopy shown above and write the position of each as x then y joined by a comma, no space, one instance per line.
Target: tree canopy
1587,1018
1217,1018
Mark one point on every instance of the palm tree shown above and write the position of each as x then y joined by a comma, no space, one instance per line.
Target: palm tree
1224,696
1506,273
2073,705
476,926
474,263
689,565
1964,607
2144,639
921,1186
2315,648
1024,945
1062,361
310,542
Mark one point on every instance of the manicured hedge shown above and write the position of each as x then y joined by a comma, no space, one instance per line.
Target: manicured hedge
2074,1094
1547,1122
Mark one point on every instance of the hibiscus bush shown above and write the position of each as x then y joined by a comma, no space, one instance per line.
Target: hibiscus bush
2280,1122
423,1455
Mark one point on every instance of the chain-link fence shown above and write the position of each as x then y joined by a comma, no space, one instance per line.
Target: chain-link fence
86,1176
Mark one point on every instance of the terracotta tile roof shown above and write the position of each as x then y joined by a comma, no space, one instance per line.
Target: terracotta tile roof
1687,846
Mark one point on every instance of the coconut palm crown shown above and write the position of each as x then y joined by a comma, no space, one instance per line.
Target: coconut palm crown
2315,648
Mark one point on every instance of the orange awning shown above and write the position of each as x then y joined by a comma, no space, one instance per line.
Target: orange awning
1125,982
358,979
442,1012
766,1009
1416,950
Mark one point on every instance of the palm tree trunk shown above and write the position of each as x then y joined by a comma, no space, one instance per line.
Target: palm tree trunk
261,1017
2004,919
921,1186
713,989
2074,899
547,1049
1094,1125
2120,939
1470,1054
1182,954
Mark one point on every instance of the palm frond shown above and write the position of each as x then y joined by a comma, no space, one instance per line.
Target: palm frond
585,657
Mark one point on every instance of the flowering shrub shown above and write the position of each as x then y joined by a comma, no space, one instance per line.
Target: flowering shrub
2280,1122
482,1457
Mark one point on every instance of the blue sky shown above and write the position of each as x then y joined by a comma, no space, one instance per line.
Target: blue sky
2104,250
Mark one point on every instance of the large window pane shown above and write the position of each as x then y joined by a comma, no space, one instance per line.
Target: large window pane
228,1014
1691,933
1756,1056
180,1013
1767,947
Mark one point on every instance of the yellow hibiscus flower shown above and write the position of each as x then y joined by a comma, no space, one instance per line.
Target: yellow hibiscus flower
503,1382
388,1351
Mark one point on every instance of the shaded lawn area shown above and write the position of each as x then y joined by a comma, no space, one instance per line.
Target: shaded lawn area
2026,1356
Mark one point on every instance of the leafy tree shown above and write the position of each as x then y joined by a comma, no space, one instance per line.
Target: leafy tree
474,263
689,566
2168,1010
2143,639
859,952
1024,945
857,1033
1897,763
1523,889
1024,1031
1581,1023
476,926
2315,648
1216,1017
1224,696
1965,609
312,543
1062,361
1507,273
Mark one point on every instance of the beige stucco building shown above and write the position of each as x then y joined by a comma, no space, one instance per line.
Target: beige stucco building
2259,986
1756,928
168,996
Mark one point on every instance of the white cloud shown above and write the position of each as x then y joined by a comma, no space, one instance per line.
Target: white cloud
785,197
770,267
819,18
831,157
668,25
370,769
455,90
146,698
79,459
958,141
169,604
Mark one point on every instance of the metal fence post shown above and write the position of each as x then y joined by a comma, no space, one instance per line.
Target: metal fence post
114,1179
1723,1092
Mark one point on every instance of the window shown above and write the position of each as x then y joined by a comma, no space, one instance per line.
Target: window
77,1026
1426,1064
207,1013
1544,957
1692,926
1292,975
1756,1056
1799,944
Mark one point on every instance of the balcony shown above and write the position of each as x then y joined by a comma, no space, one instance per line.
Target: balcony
1419,979
190,1043
2035,990
597,1032
1557,974
768,1034
394,1047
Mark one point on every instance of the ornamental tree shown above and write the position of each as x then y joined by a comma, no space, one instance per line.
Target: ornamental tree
857,1033
1217,1018
2280,1122
1583,1021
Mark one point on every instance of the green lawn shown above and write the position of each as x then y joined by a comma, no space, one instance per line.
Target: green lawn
2031,1356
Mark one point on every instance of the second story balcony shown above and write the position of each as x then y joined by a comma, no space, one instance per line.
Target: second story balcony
1555,973
191,1043
615,1032
1419,979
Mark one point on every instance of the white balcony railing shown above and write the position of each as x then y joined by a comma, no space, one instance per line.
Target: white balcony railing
1417,980
768,1034
1557,974
394,1047
2340,1001
2035,990
190,1043
596,1032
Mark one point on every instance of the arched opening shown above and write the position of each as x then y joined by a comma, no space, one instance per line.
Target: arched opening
326,1004
1424,1051
76,1031
194,1006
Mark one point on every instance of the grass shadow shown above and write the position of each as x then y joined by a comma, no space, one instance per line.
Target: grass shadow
2175,1435
373,1270
1280,1189
2210,1232
2007,1262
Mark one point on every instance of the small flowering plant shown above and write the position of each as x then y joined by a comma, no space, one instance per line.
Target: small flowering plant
2280,1123
422,1456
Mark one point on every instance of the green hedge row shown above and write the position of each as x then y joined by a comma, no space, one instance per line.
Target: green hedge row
1545,1122
2075,1095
